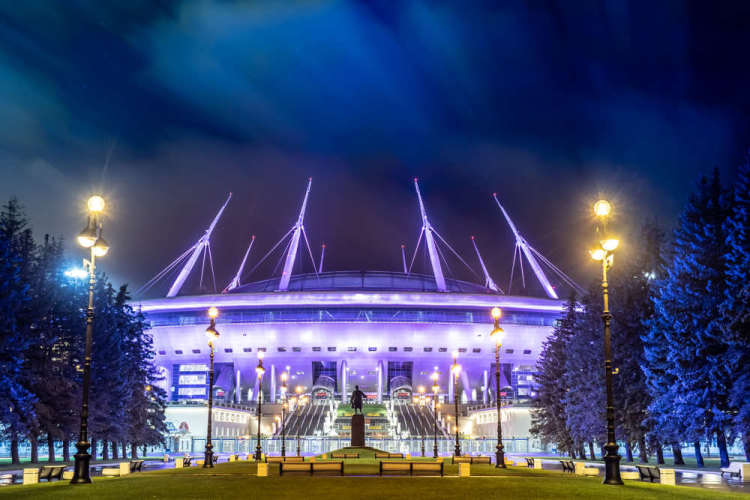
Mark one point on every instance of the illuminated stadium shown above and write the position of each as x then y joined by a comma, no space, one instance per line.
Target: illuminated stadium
386,332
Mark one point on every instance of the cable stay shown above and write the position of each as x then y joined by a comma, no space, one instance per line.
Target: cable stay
488,281
523,249
309,252
236,280
200,248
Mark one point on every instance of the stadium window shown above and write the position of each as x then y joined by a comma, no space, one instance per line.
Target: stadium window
372,349
408,349
163,353
509,351
331,349
261,349
196,351
351,349
296,349
476,350
392,349
443,349
247,349
461,349
316,349
228,350
527,351
428,349
281,349
178,351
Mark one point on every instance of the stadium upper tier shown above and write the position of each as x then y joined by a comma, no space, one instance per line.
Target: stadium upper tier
362,280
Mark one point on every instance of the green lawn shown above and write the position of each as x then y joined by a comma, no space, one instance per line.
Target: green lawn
239,480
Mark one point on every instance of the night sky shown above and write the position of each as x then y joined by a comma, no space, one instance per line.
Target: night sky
165,107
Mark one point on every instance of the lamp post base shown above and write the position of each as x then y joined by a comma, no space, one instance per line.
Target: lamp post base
500,457
611,465
208,457
81,468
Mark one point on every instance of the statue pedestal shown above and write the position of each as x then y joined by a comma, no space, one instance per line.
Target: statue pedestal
358,430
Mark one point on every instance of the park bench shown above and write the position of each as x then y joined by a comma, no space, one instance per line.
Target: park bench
311,467
648,472
379,454
276,460
187,461
50,472
734,469
344,455
136,465
387,468
466,459
568,466
529,462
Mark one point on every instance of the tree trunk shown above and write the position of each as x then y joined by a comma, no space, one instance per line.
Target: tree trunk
114,451
721,442
642,450
66,450
50,448
591,450
573,452
105,450
34,450
677,454
93,450
144,451
628,451
124,450
14,451
133,451
659,453
698,454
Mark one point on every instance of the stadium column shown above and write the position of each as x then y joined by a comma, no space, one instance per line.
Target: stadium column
380,381
485,381
450,389
344,376
272,395
238,389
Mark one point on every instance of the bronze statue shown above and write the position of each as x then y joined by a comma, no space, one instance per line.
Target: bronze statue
356,399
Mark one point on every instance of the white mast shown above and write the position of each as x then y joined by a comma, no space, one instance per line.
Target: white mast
524,246
236,280
488,282
322,255
430,241
199,247
286,273
403,258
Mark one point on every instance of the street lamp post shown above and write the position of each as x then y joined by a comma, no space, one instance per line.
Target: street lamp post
498,334
456,370
90,238
300,402
260,371
213,336
421,390
284,376
605,253
435,390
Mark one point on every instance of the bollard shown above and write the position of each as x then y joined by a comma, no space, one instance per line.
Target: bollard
324,456
179,463
262,469
408,456
312,459
537,463
745,472
30,476
249,456
667,476
630,474
464,470
166,458
124,468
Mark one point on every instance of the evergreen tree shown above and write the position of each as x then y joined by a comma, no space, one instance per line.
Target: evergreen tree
548,413
736,306
583,374
685,342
